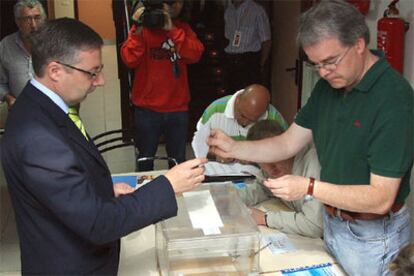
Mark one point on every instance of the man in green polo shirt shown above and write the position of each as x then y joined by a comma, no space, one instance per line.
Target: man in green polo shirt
360,117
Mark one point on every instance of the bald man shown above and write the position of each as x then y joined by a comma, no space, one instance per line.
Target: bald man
235,114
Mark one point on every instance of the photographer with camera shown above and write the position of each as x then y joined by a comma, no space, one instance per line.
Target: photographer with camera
159,47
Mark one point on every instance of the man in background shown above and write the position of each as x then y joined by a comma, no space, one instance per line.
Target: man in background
70,216
304,216
247,29
15,50
160,94
234,115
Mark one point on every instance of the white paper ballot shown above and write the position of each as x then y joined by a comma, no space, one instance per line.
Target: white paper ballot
199,143
203,212
200,148
215,168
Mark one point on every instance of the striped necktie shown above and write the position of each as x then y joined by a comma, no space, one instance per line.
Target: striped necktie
74,116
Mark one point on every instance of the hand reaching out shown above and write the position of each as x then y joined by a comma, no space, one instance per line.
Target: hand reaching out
186,176
221,145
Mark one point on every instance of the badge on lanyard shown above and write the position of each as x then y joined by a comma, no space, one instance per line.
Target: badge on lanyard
236,39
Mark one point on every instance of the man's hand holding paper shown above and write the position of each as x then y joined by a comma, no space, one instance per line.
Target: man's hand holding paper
221,145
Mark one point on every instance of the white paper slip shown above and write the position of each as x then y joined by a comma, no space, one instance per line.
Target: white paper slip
279,243
203,212
216,168
199,143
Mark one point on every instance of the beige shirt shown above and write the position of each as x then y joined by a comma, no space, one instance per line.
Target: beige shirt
305,215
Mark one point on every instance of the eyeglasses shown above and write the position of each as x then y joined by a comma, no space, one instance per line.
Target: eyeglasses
330,65
29,19
92,75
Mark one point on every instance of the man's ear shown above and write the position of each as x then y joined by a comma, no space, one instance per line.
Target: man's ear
360,45
54,71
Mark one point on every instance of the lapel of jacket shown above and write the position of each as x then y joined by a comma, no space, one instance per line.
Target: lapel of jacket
66,125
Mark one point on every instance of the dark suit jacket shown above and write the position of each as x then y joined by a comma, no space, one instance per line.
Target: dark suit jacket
68,220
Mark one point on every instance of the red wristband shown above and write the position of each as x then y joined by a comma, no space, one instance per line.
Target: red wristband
310,186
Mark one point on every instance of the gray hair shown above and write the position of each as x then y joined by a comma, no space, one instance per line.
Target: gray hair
28,4
264,129
61,40
332,19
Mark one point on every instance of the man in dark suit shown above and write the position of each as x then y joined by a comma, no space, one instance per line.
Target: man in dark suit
68,218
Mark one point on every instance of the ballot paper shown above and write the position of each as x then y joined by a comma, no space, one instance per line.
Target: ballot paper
203,211
199,143
212,168
216,168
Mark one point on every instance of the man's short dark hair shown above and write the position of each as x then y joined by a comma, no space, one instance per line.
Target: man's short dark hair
264,129
61,40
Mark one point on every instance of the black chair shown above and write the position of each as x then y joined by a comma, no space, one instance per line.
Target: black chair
170,160
120,138
113,139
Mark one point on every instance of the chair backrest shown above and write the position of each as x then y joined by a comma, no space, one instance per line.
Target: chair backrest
169,159
113,139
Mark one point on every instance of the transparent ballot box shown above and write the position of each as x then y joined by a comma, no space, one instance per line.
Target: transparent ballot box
213,234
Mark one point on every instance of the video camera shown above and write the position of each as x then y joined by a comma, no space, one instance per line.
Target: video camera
153,15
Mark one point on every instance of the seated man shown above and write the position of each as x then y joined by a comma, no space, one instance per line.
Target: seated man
235,114
305,217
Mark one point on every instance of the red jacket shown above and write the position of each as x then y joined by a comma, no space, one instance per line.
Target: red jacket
155,86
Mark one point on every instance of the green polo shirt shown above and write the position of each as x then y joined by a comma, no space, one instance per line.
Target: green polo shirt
369,129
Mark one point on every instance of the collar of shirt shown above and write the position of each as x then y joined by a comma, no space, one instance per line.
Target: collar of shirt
373,73
19,43
52,95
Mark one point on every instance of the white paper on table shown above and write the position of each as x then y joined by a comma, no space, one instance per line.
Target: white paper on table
199,143
216,168
278,243
203,212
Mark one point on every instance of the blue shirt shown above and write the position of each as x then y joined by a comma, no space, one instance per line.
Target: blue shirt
52,95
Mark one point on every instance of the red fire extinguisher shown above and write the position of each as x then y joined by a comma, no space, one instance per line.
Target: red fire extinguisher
390,37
